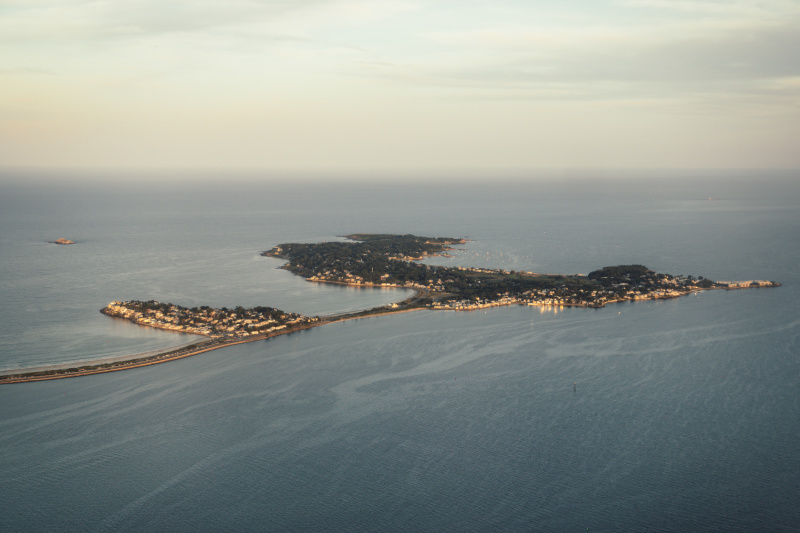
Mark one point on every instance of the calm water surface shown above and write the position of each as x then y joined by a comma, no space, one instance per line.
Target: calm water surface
684,414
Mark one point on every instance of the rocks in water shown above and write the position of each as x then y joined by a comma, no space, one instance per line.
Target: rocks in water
63,241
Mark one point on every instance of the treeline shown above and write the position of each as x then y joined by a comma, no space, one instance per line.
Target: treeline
621,272
370,257
384,258
470,284
408,239
153,306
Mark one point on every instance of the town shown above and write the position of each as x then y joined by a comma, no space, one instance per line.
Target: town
393,261
207,321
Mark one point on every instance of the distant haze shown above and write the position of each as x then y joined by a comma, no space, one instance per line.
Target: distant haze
396,85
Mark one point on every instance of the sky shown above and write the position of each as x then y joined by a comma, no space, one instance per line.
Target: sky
400,85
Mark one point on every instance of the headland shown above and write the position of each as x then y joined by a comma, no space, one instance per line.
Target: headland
393,261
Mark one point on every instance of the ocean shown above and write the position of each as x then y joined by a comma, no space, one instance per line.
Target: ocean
673,415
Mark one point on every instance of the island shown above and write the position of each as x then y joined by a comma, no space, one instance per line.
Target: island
388,260
62,240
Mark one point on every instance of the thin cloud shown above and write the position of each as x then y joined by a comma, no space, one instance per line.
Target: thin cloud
717,8
651,60
26,71
333,76
107,20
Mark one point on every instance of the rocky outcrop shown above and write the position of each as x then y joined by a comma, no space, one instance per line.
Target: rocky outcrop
62,240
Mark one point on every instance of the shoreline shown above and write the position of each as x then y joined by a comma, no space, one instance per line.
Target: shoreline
164,356
404,306
173,354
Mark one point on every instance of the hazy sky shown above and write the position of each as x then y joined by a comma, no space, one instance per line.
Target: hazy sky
400,84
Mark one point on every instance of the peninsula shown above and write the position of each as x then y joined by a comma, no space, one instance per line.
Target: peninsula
387,260
392,261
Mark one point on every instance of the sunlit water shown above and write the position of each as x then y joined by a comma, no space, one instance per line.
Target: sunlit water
676,415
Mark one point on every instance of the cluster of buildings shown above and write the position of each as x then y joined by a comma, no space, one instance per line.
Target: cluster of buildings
351,279
747,284
478,303
431,285
205,321
566,297
562,297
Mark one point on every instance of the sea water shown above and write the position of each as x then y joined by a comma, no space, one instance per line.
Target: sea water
668,415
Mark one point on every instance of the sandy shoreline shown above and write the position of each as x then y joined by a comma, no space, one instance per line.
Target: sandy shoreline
163,356
166,355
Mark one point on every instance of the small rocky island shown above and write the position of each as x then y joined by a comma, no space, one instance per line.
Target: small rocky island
62,241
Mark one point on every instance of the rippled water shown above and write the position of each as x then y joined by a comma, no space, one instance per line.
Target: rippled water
683,415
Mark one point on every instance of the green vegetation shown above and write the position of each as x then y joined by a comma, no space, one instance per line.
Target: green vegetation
620,272
371,259
391,260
